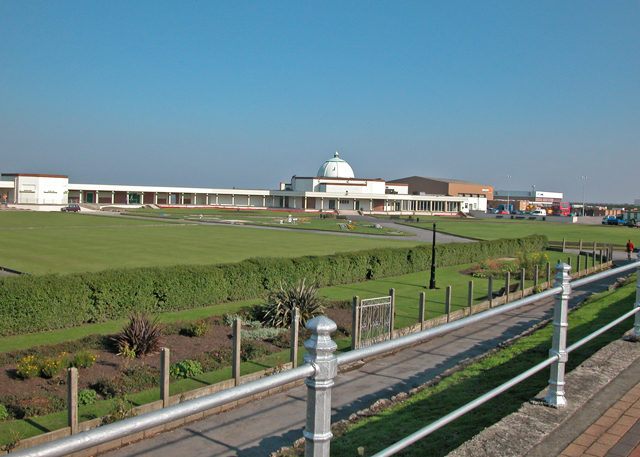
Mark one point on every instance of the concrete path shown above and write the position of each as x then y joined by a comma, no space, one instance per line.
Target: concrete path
264,426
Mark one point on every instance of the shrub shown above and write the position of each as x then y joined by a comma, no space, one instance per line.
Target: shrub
53,366
142,335
84,359
277,311
122,409
28,367
215,360
30,405
267,333
529,261
131,380
253,349
4,414
185,369
87,397
196,329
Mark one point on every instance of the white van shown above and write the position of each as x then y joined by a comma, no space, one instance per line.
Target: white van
538,212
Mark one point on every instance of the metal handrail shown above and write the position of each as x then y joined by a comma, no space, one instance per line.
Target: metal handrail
319,369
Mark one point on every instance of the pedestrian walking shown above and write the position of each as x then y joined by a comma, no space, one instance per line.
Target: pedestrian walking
630,248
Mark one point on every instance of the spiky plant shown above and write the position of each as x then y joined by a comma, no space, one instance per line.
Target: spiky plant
277,311
142,334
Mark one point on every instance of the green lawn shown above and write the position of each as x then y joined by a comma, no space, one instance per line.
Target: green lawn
79,243
303,221
489,229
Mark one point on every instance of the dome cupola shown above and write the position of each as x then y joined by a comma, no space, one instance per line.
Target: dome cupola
335,168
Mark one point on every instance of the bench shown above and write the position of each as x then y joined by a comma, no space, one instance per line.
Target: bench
513,288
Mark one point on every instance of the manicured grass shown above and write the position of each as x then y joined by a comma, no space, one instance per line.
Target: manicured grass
40,219
382,430
489,229
94,248
308,221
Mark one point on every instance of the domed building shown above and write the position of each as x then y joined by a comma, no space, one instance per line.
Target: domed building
335,168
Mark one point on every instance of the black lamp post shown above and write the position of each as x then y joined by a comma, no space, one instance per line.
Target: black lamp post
432,283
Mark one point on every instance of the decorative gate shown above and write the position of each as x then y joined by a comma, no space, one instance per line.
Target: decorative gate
374,320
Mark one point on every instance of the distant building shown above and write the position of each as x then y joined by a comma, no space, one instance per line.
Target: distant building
334,187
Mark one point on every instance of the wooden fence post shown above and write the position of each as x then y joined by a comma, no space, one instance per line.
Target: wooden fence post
470,298
72,399
580,250
421,312
164,376
355,324
490,294
522,278
295,329
569,260
447,303
392,294
578,265
564,243
507,280
536,272
548,274
237,344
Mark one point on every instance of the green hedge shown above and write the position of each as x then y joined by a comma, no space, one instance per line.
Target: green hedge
34,303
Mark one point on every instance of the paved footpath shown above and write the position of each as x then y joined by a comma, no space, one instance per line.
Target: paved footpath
264,426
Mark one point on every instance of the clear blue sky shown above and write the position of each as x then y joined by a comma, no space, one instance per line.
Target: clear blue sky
249,93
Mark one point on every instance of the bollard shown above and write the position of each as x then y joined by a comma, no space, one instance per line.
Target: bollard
320,348
72,393
555,396
421,312
164,376
447,303
237,340
295,325
355,323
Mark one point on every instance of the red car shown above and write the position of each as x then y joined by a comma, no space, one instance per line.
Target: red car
71,209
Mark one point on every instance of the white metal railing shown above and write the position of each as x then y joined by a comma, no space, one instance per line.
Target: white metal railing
321,366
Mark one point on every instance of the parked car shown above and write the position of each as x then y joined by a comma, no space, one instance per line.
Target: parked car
71,209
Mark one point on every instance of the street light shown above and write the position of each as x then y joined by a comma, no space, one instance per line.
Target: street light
584,180
508,189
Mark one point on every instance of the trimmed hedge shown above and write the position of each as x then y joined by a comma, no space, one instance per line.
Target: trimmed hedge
35,303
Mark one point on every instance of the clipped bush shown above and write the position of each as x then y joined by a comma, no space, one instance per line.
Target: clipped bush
35,303
142,335
267,333
87,397
253,349
185,369
28,367
84,359
196,329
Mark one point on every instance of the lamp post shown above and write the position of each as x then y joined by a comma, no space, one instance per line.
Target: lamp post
508,190
432,282
584,180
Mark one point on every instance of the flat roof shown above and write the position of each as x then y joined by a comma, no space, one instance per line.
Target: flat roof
31,175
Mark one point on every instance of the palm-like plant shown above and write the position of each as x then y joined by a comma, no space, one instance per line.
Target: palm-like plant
142,335
277,311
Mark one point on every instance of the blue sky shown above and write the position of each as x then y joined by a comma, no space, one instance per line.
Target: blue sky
248,93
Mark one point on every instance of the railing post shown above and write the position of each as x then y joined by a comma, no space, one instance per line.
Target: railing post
555,396
392,294
237,341
320,348
636,325
164,376
421,312
72,402
490,295
447,303
295,325
355,323
470,298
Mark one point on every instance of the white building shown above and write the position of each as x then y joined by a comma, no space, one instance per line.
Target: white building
335,187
